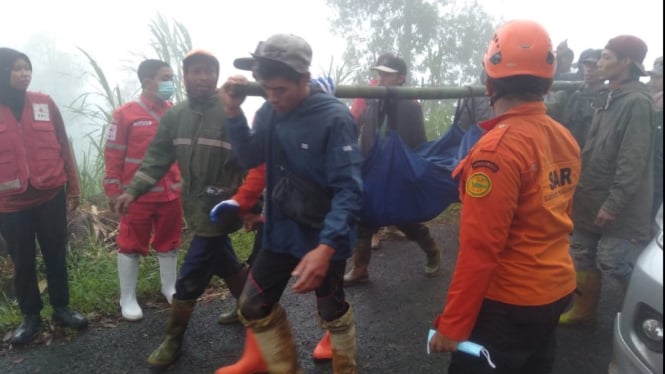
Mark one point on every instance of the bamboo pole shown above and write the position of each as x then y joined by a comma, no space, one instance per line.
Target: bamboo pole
423,93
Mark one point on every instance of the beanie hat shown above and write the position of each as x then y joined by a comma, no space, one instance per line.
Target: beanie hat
199,55
629,46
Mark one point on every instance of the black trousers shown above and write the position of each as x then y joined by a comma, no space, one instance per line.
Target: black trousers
520,339
45,224
206,256
269,274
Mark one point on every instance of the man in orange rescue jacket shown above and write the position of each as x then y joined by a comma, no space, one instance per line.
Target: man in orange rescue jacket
514,274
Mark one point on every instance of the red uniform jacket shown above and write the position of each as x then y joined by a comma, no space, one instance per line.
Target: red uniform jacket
35,152
129,134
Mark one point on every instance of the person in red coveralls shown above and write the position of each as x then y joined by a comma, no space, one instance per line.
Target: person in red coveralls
38,185
156,217
514,275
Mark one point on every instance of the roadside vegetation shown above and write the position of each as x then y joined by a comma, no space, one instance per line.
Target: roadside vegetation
94,288
92,257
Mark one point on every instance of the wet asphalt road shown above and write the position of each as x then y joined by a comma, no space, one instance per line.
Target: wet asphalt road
393,314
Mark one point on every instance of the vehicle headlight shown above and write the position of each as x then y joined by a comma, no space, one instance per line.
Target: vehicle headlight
649,327
653,329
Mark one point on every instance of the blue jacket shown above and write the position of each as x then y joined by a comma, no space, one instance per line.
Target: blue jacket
319,143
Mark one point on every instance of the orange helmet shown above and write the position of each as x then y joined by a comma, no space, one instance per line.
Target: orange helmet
520,48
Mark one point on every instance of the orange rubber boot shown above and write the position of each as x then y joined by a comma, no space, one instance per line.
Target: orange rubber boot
323,350
251,361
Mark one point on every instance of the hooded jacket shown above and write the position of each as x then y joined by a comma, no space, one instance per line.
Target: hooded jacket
319,143
617,165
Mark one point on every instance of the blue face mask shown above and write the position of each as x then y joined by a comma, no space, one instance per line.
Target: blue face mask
165,90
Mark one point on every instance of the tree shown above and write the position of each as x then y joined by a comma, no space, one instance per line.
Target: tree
442,41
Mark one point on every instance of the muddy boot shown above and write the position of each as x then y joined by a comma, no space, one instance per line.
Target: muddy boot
343,343
235,283
323,350
359,263
251,360
583,311
433,253
169,350
275,340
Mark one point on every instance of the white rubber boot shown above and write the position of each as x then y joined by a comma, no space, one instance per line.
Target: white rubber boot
128,273
167,272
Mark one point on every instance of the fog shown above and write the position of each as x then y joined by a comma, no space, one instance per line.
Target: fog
116,33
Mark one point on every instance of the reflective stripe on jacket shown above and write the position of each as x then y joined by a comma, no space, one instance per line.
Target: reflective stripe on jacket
129,134
192,133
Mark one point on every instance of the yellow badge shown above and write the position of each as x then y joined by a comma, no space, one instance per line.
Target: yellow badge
478,185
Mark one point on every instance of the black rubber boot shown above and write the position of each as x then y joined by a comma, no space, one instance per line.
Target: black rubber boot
27,330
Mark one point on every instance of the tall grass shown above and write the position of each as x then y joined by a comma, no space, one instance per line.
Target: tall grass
92,267
93,282
96,108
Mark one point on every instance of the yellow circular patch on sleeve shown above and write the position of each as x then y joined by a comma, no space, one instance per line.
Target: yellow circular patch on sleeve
478,185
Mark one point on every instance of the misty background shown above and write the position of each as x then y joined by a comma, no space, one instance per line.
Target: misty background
85,54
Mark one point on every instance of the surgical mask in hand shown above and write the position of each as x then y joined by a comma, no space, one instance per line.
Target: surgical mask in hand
165,90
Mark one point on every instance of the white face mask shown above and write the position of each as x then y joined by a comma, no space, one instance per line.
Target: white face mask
165,89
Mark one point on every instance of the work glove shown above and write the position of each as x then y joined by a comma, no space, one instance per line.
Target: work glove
225,211
326,84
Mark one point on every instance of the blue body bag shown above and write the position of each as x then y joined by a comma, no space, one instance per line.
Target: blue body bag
403,186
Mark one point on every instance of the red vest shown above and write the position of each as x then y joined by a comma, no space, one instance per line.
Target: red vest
29,150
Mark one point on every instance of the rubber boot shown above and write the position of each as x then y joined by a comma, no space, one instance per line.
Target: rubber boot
169,350
323,350
229,317
275,339
343,342
235,284
251,361
168,273
128,274
359,263
27,330
433,253
583,311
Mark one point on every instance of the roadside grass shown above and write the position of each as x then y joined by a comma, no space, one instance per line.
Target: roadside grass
93,282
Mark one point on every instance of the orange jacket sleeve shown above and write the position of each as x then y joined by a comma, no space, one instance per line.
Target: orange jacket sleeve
251,189
489,199
114,153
